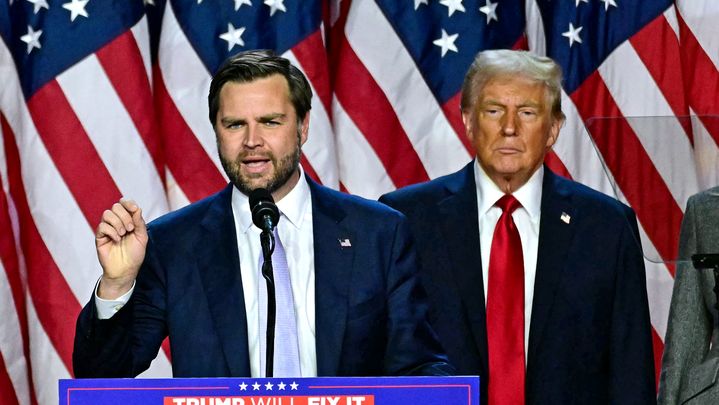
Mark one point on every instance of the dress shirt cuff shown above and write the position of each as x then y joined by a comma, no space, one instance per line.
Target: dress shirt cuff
107,308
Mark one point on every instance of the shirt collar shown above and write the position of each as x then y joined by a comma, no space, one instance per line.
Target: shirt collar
292,207
529,195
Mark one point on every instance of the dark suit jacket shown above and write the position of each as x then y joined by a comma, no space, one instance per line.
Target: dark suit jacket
370,309
590,334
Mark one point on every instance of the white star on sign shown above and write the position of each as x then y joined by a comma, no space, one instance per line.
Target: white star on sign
243,386
76,8
490,9
239,3
573,35
417,3
582,1
276,5
281,386
38,5
294,386
256,386
608,3
233,36
447,42
452,5
32,39
268,386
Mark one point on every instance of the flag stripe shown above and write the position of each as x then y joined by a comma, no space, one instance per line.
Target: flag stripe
632,169
121,59
54,304
7,390
74,155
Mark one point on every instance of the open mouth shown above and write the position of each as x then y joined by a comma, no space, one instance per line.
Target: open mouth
256,164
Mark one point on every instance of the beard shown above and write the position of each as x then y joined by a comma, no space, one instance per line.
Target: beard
284,167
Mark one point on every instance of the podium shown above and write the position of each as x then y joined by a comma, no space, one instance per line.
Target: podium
273,391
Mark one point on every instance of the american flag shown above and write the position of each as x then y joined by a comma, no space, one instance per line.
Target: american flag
107,98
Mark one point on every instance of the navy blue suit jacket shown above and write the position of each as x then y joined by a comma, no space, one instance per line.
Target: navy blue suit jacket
590,333
370,311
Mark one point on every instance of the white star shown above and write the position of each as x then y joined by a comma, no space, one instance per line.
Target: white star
281,386
32,39
38,5
276,5
608,3
268,386
582,1
490,9
149,2
243,386
417,3
294,386
239,3
233,36
256,386
573,34
452,5
76,8
447,42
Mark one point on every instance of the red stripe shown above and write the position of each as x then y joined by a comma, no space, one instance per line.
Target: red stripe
9,258
452,111
658,48
193,170
630,165
56,306
556,165
74,155
307,167
658,347
312,57
7,390
702,79
122,62
522,43
365,102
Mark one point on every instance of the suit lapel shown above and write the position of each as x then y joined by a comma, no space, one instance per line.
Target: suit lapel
219,269
333,269
460,228
555,234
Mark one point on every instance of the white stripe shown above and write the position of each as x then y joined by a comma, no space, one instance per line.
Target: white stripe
11,346
535,28
701,17
48,368
58,218
142,36
175,196
661,135
671,16
320,147
394,70
114,135
188,83
361,171
706,153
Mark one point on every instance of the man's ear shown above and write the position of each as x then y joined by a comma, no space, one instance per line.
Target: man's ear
468,121
304,128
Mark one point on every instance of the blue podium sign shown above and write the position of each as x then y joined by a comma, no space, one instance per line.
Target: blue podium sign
273,391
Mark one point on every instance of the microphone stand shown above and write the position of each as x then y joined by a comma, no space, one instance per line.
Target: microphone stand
267,239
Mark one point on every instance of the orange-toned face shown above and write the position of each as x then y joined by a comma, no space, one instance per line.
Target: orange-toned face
258,135
512,128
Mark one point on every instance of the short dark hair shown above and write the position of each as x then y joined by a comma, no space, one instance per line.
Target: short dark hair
248,66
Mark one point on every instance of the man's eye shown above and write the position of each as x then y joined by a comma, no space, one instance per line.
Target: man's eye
272,123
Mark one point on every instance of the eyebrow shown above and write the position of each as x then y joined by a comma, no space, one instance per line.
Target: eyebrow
271,117
492,102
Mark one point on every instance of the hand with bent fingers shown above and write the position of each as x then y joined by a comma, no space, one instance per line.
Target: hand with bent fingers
121,240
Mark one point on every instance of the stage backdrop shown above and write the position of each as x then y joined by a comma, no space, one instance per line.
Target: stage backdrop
103,99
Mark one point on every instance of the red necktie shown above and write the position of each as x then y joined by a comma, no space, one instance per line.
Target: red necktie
505,310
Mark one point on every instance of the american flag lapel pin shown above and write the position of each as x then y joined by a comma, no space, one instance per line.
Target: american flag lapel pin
345,243
565,217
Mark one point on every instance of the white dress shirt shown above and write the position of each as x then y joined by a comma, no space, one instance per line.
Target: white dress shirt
525,217
295,231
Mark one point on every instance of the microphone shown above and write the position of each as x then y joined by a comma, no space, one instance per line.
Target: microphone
265,214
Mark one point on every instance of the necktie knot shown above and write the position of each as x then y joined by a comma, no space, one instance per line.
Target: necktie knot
508,203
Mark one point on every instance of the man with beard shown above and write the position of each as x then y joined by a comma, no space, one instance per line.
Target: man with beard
348,302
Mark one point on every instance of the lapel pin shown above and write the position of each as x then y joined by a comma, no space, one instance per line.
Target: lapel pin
565,217
345,242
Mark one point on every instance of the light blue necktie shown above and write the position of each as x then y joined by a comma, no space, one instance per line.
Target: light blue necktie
287,357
